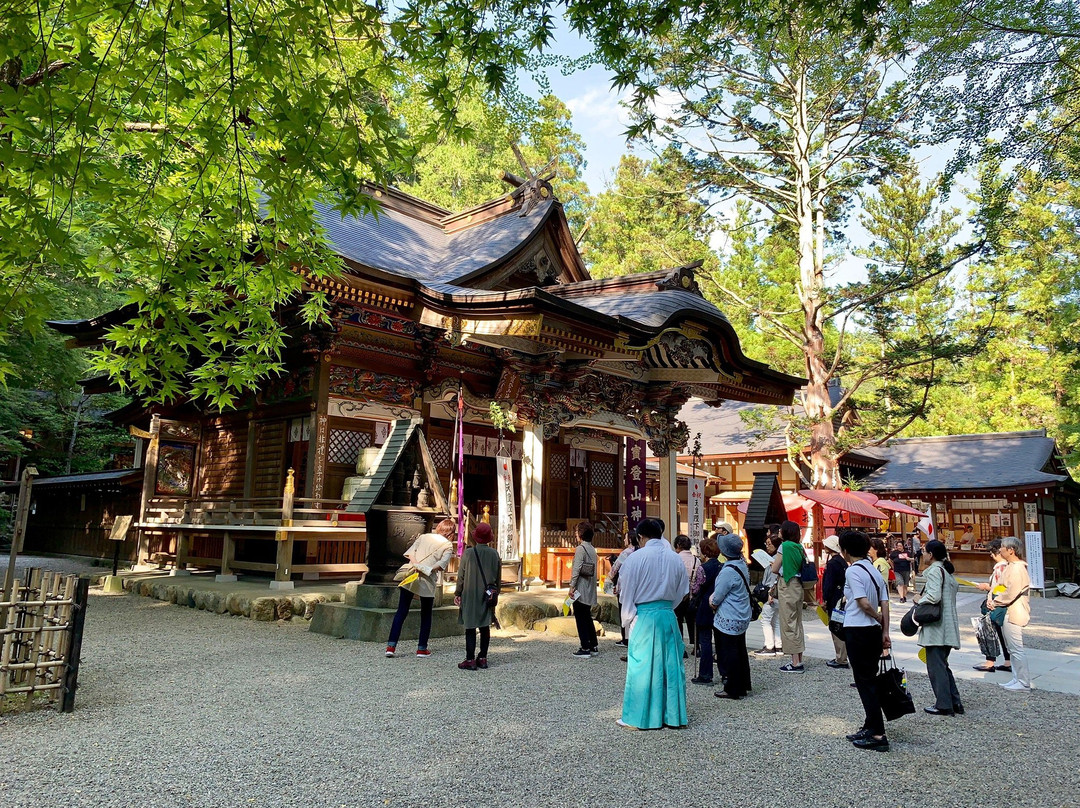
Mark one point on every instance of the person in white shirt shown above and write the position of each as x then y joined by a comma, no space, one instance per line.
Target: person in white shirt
866,631
651,582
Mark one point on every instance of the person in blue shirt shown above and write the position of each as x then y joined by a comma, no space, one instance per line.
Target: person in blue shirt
731,600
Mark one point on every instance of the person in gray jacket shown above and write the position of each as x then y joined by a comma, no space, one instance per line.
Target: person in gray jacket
941,636
583,585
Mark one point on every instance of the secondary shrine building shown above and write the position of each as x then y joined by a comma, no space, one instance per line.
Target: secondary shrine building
495,302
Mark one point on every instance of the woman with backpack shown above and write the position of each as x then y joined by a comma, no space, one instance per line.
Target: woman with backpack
943,635
583,590
731,600
479,570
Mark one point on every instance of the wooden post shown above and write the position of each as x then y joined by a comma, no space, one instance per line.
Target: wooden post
74,652
183,543
22,513
669,501
142,554
283,569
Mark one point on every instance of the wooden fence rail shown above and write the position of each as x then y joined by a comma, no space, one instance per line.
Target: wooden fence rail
41,626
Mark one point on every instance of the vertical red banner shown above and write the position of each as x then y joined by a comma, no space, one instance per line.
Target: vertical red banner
635,482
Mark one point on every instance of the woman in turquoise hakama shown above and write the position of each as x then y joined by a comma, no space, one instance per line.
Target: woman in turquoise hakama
655,693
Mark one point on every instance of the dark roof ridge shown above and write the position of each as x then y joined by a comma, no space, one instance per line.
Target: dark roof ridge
641,280
491,209
407,203
1030,433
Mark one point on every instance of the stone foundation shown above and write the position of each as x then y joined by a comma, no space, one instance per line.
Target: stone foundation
244,604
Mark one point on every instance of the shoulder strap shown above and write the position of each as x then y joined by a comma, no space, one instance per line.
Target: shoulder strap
871,577
746,581
480,566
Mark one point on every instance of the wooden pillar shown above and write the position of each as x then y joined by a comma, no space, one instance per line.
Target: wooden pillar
283,567
669,502
183,543
532,491
228,552
142,554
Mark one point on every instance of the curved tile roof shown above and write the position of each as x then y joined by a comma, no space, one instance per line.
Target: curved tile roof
958,462
652,309
411,247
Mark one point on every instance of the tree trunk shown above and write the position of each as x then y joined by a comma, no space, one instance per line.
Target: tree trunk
823,461
74,435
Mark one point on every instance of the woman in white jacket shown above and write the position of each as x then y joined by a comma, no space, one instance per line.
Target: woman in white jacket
428,556
1017,611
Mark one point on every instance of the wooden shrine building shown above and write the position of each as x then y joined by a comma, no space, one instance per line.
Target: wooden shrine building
495,301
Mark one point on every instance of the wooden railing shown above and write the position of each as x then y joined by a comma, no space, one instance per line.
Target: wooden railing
335,541
41,638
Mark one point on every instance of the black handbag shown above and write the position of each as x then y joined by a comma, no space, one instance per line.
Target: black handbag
926,613
892,691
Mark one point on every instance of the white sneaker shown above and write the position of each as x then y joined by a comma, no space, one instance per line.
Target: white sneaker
1015,684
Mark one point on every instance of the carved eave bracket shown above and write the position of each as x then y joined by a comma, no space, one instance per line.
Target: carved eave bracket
683,279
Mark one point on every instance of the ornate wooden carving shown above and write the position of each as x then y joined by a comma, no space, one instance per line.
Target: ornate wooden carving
357,383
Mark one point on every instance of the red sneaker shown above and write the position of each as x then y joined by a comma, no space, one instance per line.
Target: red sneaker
481,663
424,654
390,650
467,665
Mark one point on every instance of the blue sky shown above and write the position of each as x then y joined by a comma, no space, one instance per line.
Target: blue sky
599,119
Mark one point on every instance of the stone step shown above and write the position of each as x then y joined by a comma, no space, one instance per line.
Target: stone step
383,596
373,624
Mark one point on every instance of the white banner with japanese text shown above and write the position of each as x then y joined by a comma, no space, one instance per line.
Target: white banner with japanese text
508,548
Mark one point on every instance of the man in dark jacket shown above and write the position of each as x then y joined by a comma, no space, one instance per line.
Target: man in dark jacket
832,590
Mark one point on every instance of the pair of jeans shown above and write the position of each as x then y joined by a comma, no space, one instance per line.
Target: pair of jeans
404,602
770,624
470,642
839,648
1014,636
731,652
684,613
705,652
586,629
942,682
864,655
1001,639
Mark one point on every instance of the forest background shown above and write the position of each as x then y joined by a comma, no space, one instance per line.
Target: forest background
776,146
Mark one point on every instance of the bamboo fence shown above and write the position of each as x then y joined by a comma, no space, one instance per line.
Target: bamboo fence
41,637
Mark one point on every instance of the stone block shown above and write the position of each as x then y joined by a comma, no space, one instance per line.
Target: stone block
264,609
225,579
113,584
384,596
373,625
563,626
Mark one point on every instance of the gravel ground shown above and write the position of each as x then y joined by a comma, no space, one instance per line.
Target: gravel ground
183,707
69,565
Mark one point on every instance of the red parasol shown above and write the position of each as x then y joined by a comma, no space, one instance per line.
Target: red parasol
897,507
847,501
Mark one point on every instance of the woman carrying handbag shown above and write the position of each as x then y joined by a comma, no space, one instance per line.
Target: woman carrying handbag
943,635
583,586
479,571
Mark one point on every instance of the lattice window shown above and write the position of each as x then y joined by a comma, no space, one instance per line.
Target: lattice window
558,465
602,474
440,453
345,445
